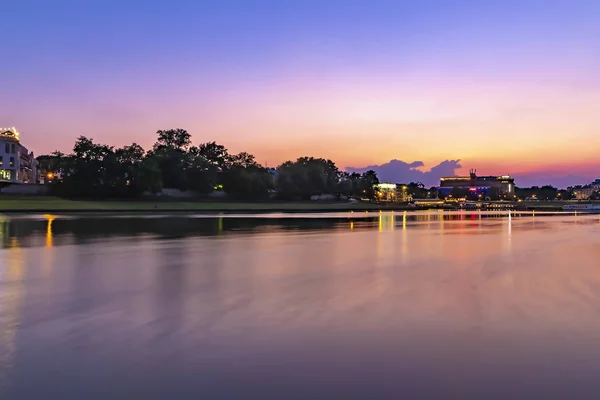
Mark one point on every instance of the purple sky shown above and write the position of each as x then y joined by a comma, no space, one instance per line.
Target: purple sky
507,87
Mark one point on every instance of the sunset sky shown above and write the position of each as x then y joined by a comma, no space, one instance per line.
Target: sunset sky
504,86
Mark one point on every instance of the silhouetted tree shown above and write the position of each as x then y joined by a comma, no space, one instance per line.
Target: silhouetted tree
251,182
97,170
367,183
175,139
305,177
170,154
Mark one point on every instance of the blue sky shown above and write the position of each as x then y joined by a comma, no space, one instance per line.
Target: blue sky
283,79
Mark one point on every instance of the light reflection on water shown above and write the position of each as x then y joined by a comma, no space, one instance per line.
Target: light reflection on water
11,297
398,304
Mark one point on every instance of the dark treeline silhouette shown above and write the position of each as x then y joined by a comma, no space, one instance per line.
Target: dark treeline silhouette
101,171
548,192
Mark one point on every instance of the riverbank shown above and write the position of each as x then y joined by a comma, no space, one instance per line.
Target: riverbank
21,204
48,204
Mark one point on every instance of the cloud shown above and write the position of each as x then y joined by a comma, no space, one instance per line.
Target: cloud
398,171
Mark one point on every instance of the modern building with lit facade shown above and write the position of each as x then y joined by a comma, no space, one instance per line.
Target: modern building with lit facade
478,185
392,192
17,164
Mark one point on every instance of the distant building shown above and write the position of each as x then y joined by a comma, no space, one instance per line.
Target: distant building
583,192
17,164
478,185
385,191
392,192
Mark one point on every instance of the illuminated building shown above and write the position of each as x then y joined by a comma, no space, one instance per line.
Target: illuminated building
503,185
386,191
392,192
582,193
17,164
403,194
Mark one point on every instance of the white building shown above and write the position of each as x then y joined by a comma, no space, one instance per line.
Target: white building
584,192
17,164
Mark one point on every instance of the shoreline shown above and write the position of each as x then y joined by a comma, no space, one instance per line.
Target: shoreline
50,205
252,211
31,204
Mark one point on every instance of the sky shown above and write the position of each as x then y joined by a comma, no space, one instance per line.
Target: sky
504,86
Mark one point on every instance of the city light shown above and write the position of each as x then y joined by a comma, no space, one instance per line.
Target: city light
50,175
386,186
10,132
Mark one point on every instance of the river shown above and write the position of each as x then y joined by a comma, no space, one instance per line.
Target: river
349,305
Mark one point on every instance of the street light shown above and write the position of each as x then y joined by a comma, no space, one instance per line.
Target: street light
50,175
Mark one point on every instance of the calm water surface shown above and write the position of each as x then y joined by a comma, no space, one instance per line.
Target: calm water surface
344,306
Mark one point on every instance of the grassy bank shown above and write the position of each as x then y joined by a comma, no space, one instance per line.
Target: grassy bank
54,204
24,204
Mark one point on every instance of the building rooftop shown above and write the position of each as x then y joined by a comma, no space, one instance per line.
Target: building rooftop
9,132
477,177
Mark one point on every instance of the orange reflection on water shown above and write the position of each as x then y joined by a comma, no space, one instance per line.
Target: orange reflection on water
404,246
49,237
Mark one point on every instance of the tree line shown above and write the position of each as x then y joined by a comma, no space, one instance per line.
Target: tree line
102,171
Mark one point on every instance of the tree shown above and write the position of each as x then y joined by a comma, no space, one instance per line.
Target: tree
595,195
137,172
170,153
92,166
53,164
214,153
367,183
149,177
171,163
130,155
200,174
306,177
564,194
242,159
174,139
345,184
547,192
417,190
247,183
204,165
97,170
